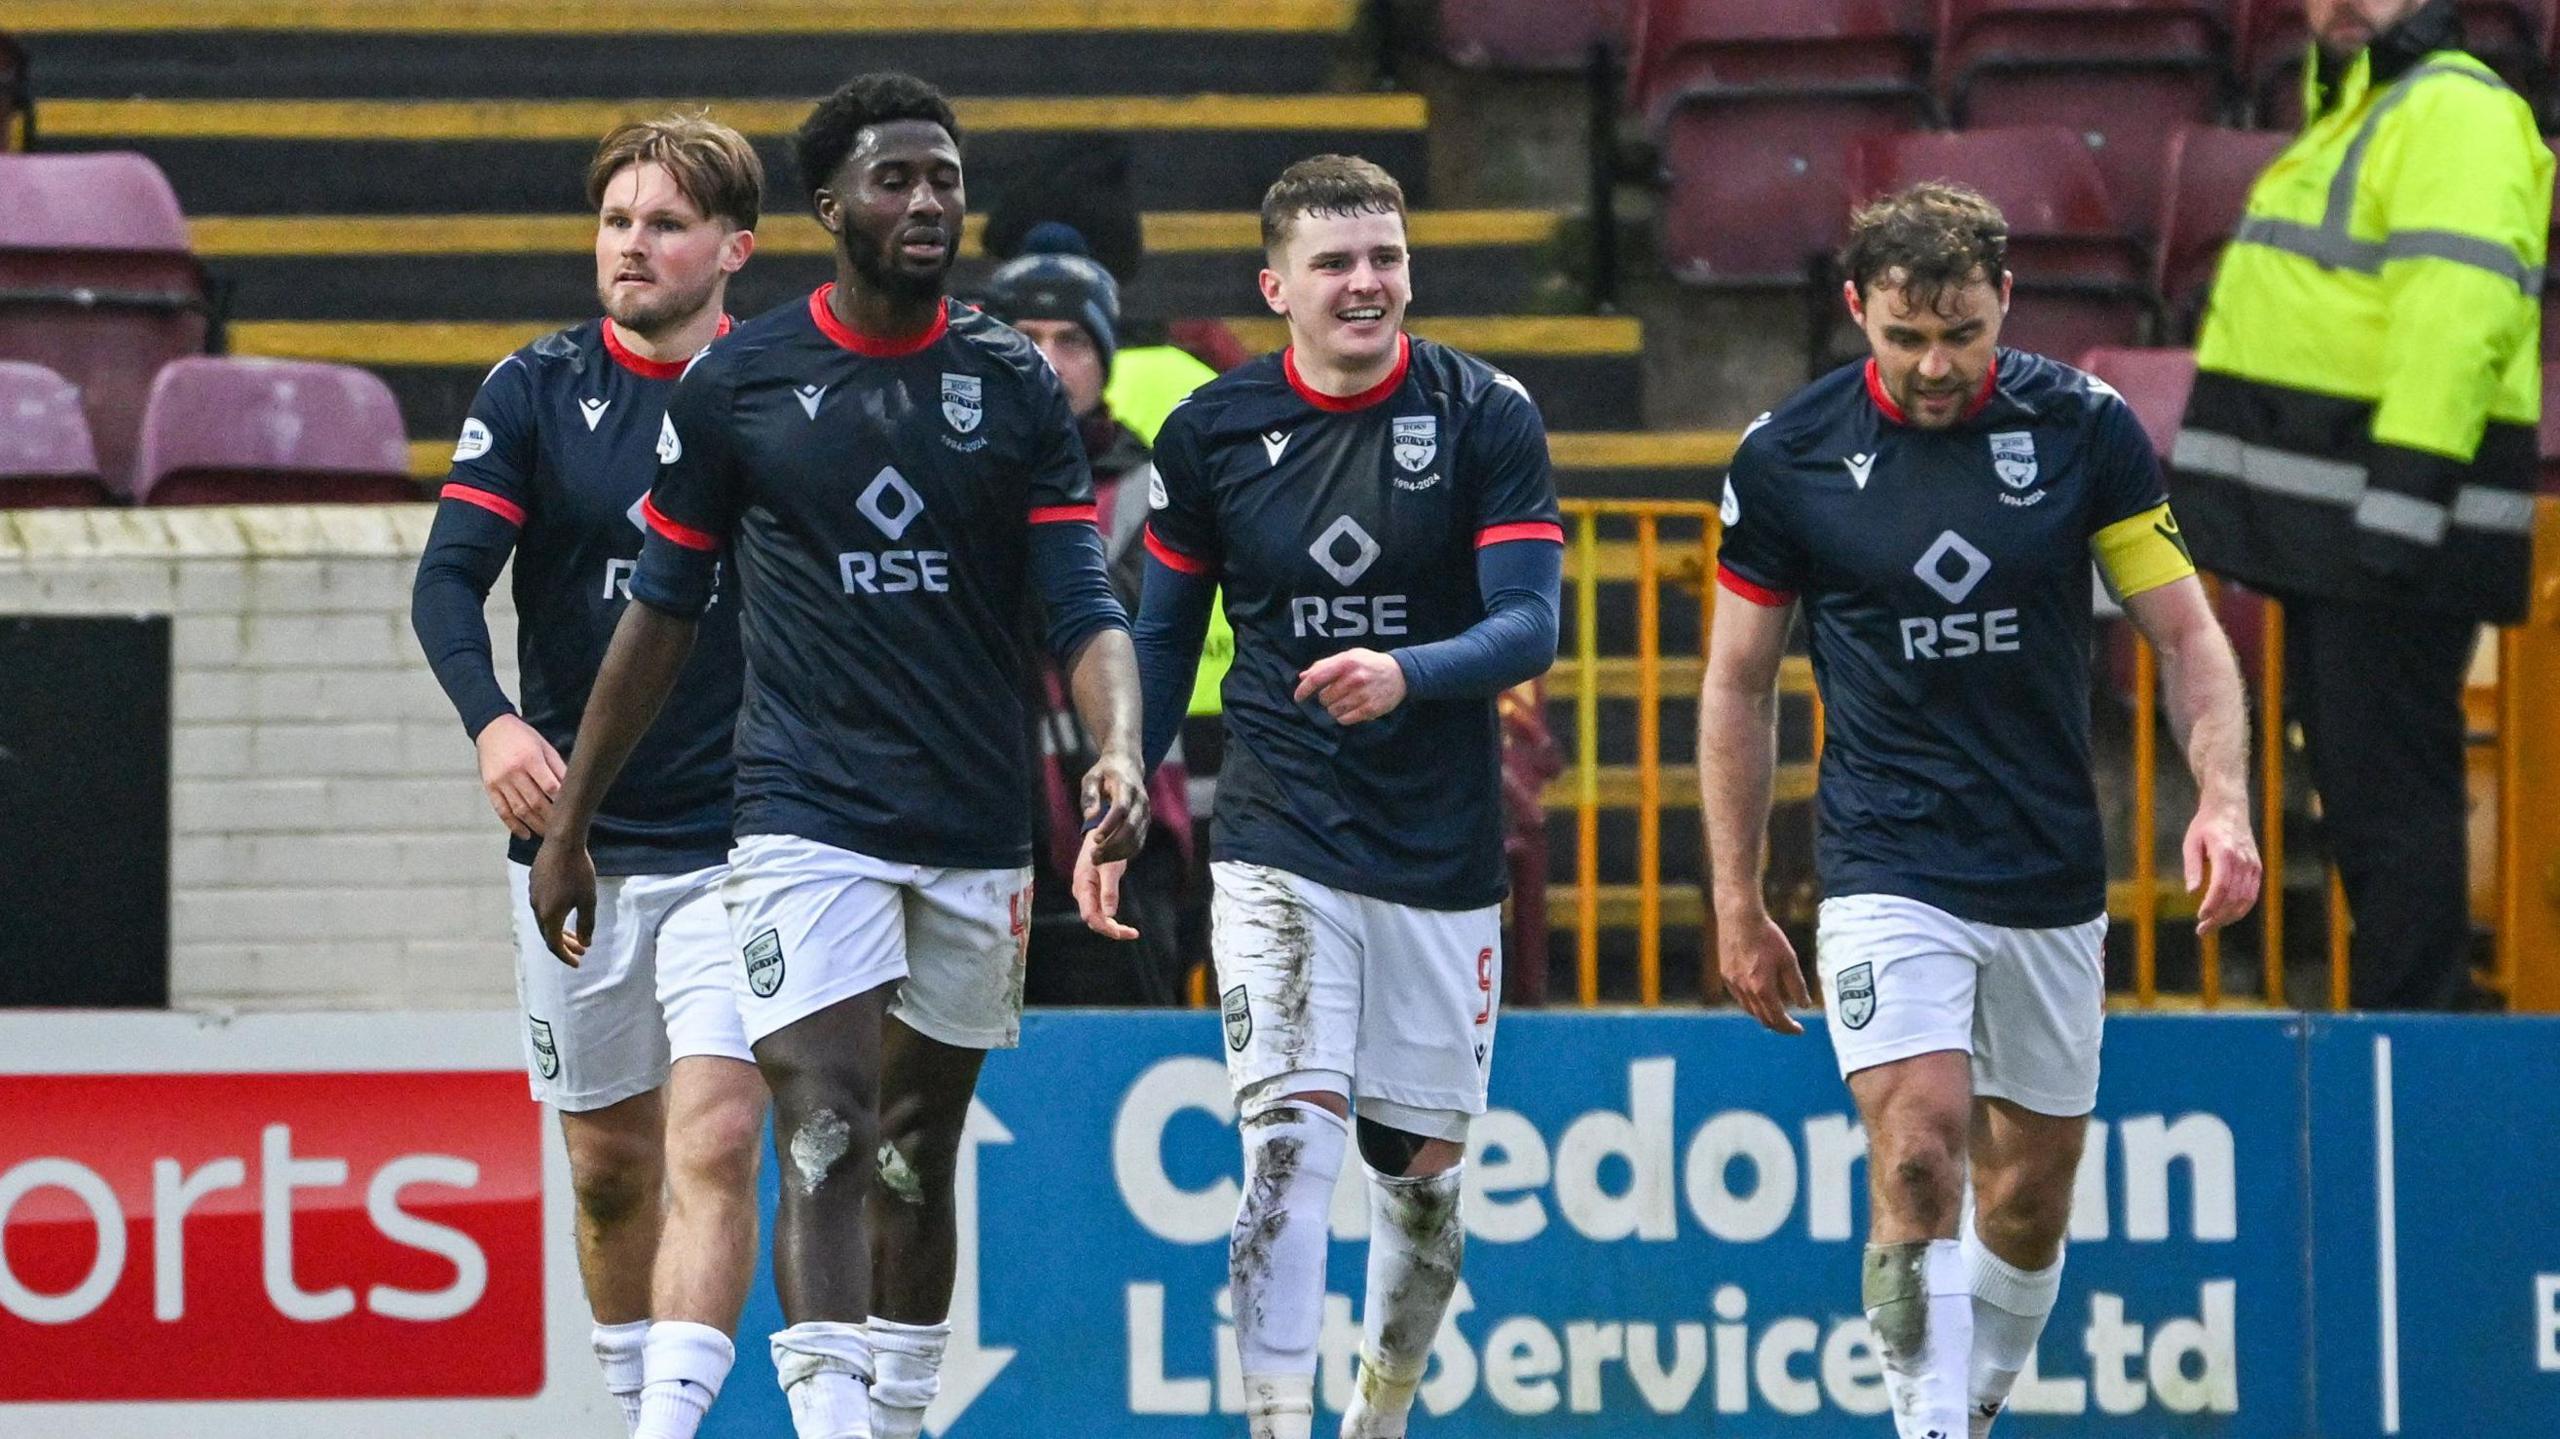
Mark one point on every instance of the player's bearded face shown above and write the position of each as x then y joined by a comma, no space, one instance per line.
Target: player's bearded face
1343,281
659,260
1934,352
898,206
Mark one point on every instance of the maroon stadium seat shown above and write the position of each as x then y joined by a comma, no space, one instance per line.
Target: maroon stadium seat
2081,283
46,458
2123,73
1758,180
2549,439
2154,382
2205,193
245,432
97,284
1531,34
1797,46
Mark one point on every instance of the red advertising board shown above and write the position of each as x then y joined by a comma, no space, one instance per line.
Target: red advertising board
263,1236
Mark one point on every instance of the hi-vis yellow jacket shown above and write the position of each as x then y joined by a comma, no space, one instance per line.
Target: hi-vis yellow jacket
2369,375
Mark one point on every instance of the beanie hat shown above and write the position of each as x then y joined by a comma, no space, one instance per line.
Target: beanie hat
1054,279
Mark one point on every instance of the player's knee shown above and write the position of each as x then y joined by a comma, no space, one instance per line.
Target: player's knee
613,1175
1401,1153
716,1144
826,1144
1922,1179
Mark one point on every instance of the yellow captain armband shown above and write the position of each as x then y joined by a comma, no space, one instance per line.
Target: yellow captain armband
2142,552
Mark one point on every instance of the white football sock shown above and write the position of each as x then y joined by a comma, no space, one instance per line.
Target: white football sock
1275,1261
618,1349
1921,1308
686,1364
906,1374
1279,1406
825,1372
1416,1240
2010,1307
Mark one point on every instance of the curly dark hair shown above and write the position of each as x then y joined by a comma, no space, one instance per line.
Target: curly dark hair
827,136
1939,236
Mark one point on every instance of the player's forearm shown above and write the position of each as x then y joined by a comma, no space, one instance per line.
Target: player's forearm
2208,711
1738,753
1173,620
1104,684
464,554
1522,584
639,671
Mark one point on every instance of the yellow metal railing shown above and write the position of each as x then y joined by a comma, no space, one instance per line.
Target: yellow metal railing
1637,551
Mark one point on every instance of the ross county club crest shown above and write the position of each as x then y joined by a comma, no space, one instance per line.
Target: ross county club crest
1417,441
961,401
546,1050
2013,456
1238,1017
764,964
1857,988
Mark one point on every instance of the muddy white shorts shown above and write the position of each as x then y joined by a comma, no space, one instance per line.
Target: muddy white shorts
1321,989
815,925
1901,978
655,986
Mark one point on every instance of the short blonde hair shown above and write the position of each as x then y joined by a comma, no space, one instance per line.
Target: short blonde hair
712,164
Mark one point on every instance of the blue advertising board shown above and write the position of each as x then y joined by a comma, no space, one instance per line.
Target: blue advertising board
1665,1213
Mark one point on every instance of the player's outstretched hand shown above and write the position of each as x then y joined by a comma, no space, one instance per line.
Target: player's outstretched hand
521,772
1355,686
1097,888
564,884
1761,973
1115,808
2222,860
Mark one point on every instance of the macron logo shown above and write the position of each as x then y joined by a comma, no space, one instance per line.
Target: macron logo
593,410
1859,467
809,396
1273,443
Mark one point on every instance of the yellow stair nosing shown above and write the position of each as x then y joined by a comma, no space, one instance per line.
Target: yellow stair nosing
737,17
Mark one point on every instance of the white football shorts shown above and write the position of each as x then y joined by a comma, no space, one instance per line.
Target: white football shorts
1900,978
1389,1005
655,986
813,925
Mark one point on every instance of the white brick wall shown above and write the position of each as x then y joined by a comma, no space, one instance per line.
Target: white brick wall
330,848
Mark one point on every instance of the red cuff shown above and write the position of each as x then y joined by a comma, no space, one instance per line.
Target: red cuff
685,535
1063,514
1524,530
500,506
1759,595
1174,559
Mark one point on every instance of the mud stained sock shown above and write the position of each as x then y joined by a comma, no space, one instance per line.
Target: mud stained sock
2010,1307
906,1374
1921,1309
1279,1406
618,1352
1416,1240
825,1372
685,1363
1275,1257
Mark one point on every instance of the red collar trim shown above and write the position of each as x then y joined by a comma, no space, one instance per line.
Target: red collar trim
642,365
1361,401
1893,412
871,345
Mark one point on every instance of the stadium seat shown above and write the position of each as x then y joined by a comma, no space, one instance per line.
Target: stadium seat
46,459
2081,283
2123,73
2154,382
97,284
246,432
1797,46
2205,192
1757,181
1535,35
2549,438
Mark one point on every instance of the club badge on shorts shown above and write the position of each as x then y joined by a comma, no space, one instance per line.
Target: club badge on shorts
1857,989
764,964
1238,1016
546,1050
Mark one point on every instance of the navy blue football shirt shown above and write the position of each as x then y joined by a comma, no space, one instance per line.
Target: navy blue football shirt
1336,523
893,507
552,466
1946,577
